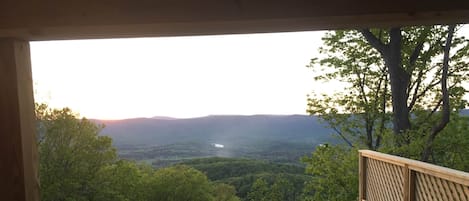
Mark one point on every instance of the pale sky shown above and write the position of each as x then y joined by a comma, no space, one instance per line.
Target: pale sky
177,76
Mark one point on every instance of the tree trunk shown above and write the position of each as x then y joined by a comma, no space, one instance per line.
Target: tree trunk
398,76
399,81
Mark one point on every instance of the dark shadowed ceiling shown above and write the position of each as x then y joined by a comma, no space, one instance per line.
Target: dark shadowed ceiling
74,19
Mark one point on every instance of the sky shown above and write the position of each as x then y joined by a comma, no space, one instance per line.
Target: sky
179,77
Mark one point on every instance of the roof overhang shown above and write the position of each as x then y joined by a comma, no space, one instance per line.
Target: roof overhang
77,19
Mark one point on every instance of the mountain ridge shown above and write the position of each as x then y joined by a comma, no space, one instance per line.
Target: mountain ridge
213,128
275,138
464,112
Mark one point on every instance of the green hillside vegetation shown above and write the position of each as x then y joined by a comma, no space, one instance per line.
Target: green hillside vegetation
294,183
165,155
243,173
222,168
77,164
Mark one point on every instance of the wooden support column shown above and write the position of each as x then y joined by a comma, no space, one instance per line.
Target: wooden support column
18,152
362,163
409,184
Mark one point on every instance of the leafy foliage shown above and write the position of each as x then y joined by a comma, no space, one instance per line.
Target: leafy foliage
335,173
361,113
285,182
224,192
391,102
77,164
259,192
221,168
179,183
71,155
450,148
122,181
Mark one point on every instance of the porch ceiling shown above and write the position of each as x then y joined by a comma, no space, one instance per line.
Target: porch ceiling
76,19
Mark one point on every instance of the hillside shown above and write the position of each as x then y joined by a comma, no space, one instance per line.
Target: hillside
229,130
226,130
163,141
166,141
242,173
465,112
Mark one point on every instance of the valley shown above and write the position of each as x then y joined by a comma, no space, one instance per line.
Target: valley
166,141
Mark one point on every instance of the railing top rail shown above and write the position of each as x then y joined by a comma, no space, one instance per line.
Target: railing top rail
427,168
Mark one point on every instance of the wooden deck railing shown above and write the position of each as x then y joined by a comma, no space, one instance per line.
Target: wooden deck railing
385,177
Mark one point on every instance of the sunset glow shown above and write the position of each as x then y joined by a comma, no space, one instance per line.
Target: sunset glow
178,76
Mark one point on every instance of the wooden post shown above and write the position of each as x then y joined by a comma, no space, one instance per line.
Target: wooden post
409,184
18,152
362,177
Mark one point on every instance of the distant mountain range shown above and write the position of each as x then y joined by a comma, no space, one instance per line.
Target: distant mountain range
164,118
465,112
163,141
229,130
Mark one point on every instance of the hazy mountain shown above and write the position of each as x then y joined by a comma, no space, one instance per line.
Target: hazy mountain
227,130
163,118
164,141
465,112
221,129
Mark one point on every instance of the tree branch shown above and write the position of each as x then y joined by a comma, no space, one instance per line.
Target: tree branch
418,48
369,133
418,96
373,40
375,100
416,84
383,114
361,82
416,89
436,106
445,118
342,136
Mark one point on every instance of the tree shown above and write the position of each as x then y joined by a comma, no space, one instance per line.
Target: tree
259,191
358,113
282,190
403,92
401,61
406,70
224,192
122,181
71,154
179,183
77,164
334,170
274,188
451,147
